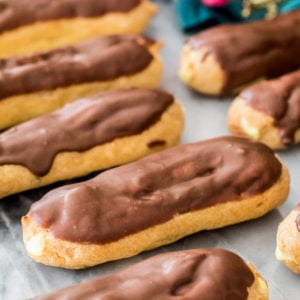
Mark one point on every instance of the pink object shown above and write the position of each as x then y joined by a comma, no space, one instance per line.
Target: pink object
215,3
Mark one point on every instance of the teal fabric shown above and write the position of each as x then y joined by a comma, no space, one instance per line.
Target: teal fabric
289,6
194,16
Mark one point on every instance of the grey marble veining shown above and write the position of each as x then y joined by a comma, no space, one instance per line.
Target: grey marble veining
21,278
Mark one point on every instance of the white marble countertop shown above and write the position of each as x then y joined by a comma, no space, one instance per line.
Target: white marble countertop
21,278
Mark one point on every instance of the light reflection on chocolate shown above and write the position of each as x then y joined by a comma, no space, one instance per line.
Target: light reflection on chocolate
280,99
253,50
100,59
212,274
81,125
151,191
16,13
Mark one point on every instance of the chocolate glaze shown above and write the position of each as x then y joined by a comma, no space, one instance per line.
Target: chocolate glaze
16,13
210,274
136,196
100,59
249,51
80,126
156,143
280,99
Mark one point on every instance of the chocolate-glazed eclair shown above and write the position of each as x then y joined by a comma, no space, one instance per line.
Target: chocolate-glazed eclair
155,201
288,240
90,134
269,112
223,59
40,25
212,274
36,84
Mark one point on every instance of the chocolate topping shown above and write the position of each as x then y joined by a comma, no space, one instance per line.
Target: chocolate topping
16,13
80,126
100,59
280,99
249,51
210,274
156,143
136,196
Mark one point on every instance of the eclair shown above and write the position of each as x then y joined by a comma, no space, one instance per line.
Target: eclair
155,201
40,25
90,134
212,274
36,84
269,112
222,60
288,240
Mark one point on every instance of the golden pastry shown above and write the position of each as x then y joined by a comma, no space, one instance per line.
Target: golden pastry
155,201
40,25
90,134
36,84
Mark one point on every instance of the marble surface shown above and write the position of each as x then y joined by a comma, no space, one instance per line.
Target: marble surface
21,278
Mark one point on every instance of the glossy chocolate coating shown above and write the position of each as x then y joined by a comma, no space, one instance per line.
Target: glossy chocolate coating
210,274
151,191
101,59
82,125
249,51
16,13
280,99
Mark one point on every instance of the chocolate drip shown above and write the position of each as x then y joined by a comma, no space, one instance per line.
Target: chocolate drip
80,126
156,143
253,50
137,196
101,59
212,274
280,99
16,13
